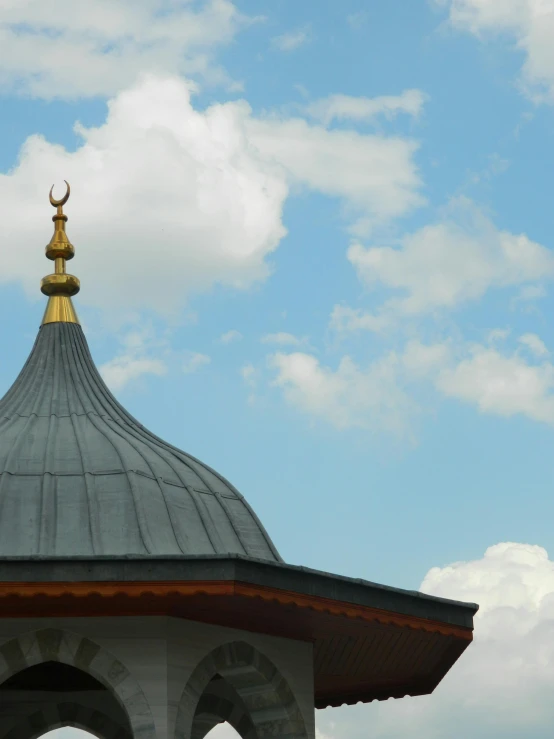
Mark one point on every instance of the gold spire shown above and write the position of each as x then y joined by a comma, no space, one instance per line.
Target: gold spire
60,286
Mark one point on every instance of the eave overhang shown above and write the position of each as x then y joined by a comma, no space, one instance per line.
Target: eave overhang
371,642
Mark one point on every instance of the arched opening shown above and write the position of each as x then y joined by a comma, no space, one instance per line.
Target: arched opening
53,657
236,687
51,695
220,705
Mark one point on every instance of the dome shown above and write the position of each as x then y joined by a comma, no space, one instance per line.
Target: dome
80,477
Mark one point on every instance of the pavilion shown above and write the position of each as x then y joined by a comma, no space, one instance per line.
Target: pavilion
140,595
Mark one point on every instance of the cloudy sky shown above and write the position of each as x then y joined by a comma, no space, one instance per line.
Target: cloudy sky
315,244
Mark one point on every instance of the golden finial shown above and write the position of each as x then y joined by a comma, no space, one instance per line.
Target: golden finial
60,286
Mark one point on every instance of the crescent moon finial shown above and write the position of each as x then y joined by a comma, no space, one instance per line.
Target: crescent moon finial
63,200
59,286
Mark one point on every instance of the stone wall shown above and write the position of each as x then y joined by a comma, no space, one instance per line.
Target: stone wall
158,669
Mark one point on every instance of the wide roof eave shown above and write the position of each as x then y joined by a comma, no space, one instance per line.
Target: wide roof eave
237,567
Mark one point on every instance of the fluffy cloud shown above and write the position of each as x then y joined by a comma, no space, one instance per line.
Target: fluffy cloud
535,344
123,369
174,200
453,261
502,685
529,22
348,397
194,361
345,319
177,201
230,336
501,385
529,293
282,338
62,49
384,393
374,176
362,109
248,374
291,40
479,15
135,360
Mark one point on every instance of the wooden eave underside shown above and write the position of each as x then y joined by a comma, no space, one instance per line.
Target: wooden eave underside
360,653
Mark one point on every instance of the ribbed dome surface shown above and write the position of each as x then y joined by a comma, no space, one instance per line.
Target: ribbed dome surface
79,476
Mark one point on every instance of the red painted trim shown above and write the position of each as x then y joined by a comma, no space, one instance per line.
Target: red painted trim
107,590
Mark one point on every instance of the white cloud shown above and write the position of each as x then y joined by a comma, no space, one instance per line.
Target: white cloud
531,292
529,22
248,374
501,385
175,200
424,360
348,397
535,344
62,49
497,335
230,336
194,361
385,393
291,40
121,370
453,261
202,191
502,685
346,107
376,396
134,361
374,176
526,298
283,339
345,319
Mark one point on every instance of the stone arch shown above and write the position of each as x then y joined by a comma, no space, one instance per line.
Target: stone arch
68,714
220,702
56,645
267,706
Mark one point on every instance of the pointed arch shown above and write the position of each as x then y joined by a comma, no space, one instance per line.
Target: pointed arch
266,706
220,702
67,714
56,645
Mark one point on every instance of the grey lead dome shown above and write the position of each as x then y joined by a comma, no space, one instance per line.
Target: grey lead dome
79,476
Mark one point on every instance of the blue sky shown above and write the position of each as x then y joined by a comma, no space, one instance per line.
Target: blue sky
315,248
